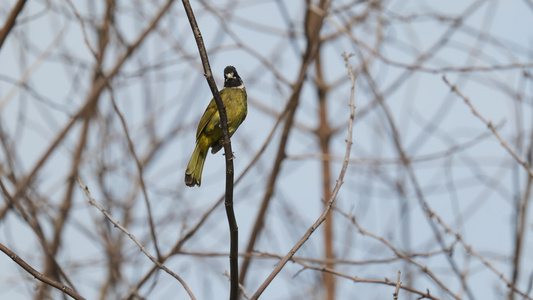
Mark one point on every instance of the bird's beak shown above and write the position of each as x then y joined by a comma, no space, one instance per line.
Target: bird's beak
229,75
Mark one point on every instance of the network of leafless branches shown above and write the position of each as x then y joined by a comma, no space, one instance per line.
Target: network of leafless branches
387,152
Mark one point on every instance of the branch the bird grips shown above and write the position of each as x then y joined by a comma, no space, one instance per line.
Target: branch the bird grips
209,132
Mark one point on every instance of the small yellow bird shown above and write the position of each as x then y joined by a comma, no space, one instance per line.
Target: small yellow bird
209,132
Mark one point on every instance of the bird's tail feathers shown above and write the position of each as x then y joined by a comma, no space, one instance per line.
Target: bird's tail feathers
193,173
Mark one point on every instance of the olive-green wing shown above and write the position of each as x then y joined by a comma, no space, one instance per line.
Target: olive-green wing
207,116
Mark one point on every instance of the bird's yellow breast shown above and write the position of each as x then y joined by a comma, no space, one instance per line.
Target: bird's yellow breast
209,131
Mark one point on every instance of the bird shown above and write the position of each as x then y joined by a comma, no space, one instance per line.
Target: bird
209,132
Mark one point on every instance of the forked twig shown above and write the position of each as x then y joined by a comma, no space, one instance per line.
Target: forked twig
134,239
491,127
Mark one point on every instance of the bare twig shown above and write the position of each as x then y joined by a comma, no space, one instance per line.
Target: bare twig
45,279
83,30
399,253
23,81
134,239
398,285
476,254
10,21
491,127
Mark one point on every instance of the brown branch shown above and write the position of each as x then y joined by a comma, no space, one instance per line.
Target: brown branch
355,279
266,255
10,21
324,133
232,222
45,279
521,209
398,285
306,263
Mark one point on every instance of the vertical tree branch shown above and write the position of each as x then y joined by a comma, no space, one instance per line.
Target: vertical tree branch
232,222
522,205
398,285
10,21
324,133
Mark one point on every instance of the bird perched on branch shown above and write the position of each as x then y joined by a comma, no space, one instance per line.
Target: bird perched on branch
209,132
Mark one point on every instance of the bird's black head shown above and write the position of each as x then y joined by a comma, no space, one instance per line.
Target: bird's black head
232,78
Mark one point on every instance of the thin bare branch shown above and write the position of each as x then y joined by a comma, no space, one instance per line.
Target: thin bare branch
491,127
10,20
134,239
47,280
